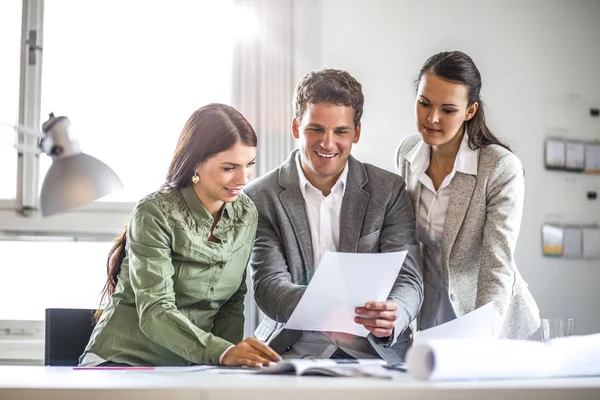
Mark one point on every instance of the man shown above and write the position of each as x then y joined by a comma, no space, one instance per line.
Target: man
323,199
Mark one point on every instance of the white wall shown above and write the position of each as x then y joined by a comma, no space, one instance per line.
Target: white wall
539,60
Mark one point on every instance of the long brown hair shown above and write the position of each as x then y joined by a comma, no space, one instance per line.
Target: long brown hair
456,66
210,130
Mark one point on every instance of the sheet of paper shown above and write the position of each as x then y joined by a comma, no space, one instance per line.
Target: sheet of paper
469,359
475,325
342,282
465,359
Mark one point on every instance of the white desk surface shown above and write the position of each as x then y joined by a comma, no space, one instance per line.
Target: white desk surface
20,382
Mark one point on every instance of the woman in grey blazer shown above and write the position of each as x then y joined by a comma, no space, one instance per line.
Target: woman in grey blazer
467,190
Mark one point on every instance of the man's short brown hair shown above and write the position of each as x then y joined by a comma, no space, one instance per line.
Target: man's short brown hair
331,86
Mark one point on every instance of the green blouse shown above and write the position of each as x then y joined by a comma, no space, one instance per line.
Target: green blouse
179,299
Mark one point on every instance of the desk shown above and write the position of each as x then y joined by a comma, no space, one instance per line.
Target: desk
19,383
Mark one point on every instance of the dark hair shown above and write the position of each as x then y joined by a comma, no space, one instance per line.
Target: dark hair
456,66
329,86
210,130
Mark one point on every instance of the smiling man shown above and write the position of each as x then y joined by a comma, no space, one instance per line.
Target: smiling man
322,199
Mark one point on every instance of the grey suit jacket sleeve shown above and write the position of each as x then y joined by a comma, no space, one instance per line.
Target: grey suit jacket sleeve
505,196
398,234
275,293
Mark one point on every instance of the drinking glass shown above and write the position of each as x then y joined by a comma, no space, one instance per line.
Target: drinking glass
557,327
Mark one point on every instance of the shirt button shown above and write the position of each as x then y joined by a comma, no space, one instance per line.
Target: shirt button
337,342
452,297
224,240
212,289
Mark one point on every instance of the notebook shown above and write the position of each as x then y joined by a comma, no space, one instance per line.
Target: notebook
328,367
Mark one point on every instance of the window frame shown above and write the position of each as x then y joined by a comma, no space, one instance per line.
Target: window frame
23,214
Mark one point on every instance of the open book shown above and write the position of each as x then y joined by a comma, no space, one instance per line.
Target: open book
466,359
328,367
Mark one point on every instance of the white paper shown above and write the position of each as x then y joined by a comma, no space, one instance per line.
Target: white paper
342,282
468,359
478,324
460,359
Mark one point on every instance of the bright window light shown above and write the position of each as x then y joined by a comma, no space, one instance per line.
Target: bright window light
244,23
10,53
128,74
44,275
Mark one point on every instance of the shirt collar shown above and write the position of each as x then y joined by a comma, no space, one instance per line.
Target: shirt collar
465,162
304,182
194,203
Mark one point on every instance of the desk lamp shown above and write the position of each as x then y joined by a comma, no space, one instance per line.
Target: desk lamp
74,178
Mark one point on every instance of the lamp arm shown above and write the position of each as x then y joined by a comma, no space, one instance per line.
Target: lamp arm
23,149
23,129
26,131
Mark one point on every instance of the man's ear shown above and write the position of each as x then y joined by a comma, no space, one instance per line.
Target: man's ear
295,129
472,111
357,134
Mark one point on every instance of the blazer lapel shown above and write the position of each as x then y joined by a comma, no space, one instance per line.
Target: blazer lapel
354,207
293,203
460,199
413,186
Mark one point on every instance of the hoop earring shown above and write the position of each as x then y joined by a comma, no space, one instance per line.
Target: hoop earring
195,178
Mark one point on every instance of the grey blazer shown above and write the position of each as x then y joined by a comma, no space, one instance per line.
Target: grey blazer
480,235
376,216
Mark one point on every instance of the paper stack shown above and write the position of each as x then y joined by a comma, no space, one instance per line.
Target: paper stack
468,359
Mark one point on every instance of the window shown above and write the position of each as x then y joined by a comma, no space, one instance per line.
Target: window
10,51
128,74
50,274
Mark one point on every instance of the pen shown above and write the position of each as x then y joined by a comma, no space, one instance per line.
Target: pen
114,368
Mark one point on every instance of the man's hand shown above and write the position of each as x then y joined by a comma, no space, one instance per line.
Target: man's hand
250,352
379,317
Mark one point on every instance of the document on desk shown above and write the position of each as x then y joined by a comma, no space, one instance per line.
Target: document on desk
342,282
477,324
470,359
358,367
374,368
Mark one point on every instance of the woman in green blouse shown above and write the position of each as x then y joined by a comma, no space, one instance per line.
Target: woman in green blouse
176,276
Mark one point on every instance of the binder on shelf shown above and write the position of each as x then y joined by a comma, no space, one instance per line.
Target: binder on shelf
591,242
592,158
552,240
571,241
554,157
575,156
